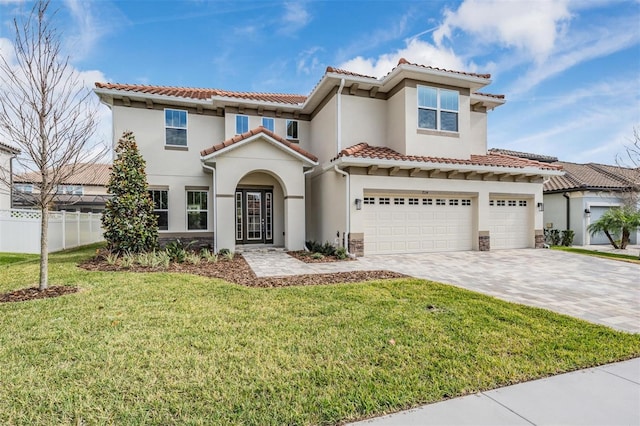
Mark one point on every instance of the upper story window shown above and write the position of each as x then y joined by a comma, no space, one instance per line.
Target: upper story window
26,188
437,109
268,123
292,129
242,124
175,123
70,189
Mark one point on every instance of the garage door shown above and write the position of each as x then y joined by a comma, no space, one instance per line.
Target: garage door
596,213
403,223
510,223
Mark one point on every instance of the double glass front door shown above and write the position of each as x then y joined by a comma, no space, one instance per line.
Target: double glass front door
254,216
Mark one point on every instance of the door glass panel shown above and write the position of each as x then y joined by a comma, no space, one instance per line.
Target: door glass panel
269,216
238,215
254,216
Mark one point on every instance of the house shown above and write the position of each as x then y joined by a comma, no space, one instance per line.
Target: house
380,165
85,189
7,154
584,194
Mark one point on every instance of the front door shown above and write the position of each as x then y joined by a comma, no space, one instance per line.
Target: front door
254,216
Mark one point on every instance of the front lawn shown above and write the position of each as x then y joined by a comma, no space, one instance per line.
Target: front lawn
604,254
168,348
9,258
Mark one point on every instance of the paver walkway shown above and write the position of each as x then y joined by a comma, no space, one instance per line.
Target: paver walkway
598,290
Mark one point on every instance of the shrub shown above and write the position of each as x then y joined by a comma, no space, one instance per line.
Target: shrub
328,249
127,260
208,255
317,256
552,237
111,258
162,259
146,259
128,219
567,237
176,250
193,258
341,253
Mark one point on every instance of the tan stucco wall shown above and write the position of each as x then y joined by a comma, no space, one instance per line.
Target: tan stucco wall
480,191
396,127
323,132
363,120
327,206
477,136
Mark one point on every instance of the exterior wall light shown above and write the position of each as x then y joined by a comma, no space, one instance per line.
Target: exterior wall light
540,207
587,212
358,204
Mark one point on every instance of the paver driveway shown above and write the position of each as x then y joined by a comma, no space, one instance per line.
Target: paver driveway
597,290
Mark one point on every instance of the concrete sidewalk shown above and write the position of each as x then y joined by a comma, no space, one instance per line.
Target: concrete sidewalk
606,395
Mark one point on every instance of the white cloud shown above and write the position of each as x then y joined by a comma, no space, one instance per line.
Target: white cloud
531,26
295,17
308,62
415,51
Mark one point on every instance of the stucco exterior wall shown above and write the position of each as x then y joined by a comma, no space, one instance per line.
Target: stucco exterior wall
396,123
279,128
555,211
363,120
323,132
477,137
327,207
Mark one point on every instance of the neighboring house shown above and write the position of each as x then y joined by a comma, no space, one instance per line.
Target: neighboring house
381,165
7,154
583,194
84,191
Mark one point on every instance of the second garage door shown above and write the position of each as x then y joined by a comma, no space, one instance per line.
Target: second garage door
400,223
510,223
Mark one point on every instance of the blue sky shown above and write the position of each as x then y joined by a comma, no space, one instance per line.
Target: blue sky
570,69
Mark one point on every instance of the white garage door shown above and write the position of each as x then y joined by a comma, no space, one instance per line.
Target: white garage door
510,224
403,223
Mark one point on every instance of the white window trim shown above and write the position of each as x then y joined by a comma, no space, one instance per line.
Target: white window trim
185,128
187,210
437,109
245,116
297,138
161,210
273,120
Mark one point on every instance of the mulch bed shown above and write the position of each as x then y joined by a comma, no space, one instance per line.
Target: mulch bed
238,271
32,293
305,257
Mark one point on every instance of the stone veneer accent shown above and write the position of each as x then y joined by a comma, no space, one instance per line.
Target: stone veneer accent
484,241
197,240
539,238
356,244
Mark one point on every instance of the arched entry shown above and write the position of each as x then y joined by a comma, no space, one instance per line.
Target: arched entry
259,210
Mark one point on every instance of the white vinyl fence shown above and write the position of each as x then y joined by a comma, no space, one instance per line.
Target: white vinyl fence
20,230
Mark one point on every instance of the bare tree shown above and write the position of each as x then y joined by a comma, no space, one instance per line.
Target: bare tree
46,112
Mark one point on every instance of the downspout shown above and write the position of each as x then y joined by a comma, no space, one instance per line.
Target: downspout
339,118
566,195
347,207
214,204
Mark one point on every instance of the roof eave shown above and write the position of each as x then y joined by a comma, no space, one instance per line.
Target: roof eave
141,95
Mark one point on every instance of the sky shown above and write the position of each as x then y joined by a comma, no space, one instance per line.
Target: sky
570,70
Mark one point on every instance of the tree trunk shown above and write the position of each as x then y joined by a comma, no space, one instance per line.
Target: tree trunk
44,249
613,243
625,238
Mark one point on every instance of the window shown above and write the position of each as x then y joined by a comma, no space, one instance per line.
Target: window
500,203
268,123
522,203
427,201
160,200
383,200
466,202
398,201
196,210
414,201
512,203
175,123
491,202
441,202
70,189
292,129
453,202
437,109
242,124
26,188
369,200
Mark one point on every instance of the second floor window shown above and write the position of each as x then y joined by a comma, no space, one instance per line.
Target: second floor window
292,129
26,188
268,123
242,124
160,200
175,124
70,189
437,109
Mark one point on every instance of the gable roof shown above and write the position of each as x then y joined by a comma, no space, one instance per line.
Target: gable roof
255,132
364,150
593,176
88,174
203,94
527,155
8,148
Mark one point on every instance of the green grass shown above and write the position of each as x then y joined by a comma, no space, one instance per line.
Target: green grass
10,258
606,255
180,349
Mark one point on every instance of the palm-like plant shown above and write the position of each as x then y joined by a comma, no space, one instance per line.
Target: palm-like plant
619,222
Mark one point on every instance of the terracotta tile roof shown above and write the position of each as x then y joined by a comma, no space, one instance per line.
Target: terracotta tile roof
345,72
527,155
253,132
88,174
489,95
592,176
364,150
471,74
8,148
196,93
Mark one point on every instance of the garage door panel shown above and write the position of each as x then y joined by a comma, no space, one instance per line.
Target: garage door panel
510,224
